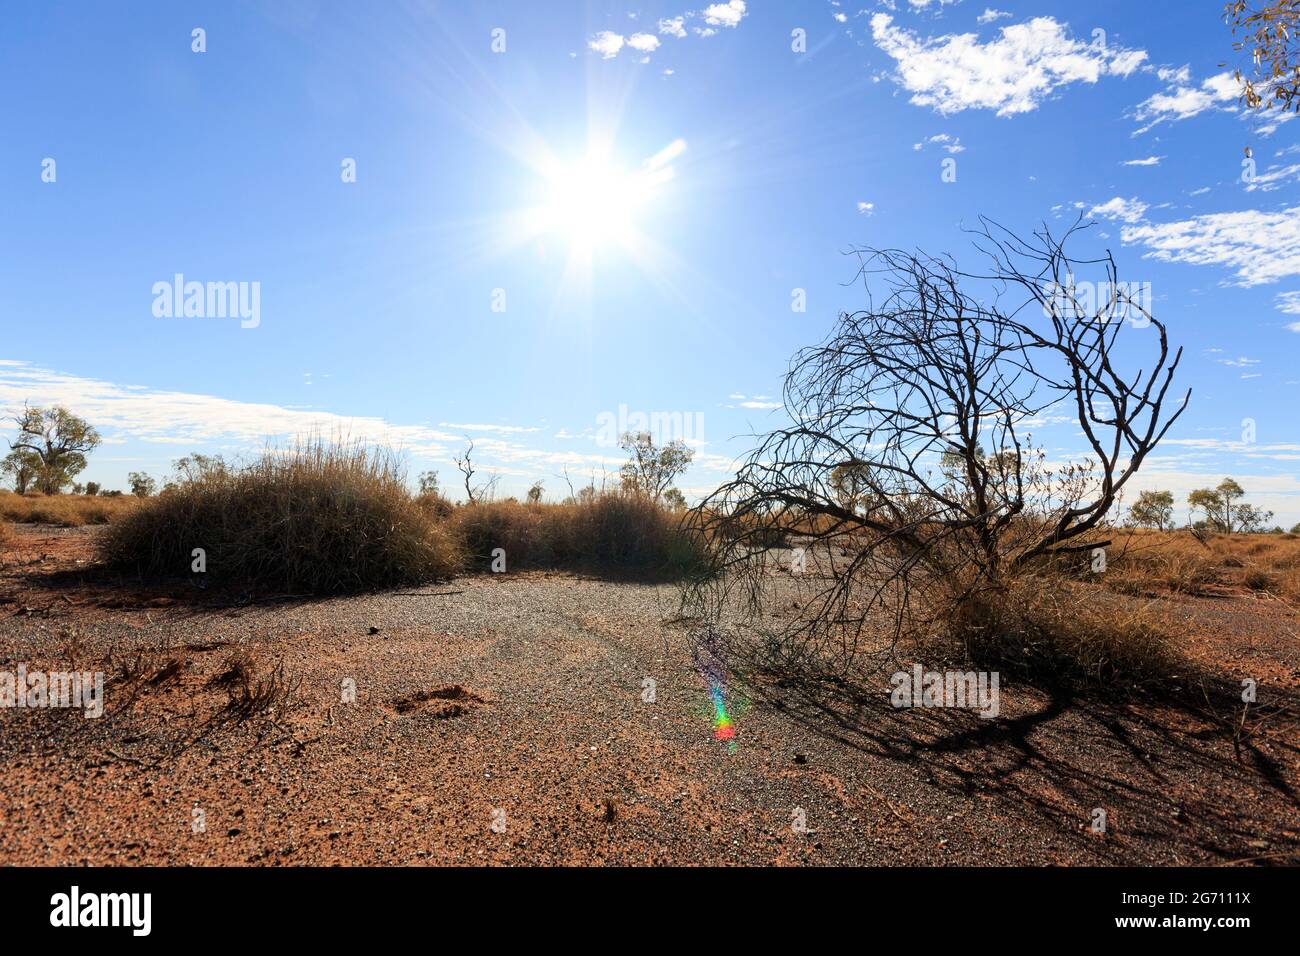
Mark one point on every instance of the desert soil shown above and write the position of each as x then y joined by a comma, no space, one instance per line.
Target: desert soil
503,719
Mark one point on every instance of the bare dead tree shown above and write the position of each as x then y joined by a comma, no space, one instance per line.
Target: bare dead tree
909,477
466,468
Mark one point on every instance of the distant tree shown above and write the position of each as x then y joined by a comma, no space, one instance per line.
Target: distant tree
1223,513
1271,32
196,467
142,486
652,470
675,500
1153,509
535,493
428,482
59,439
849,482
1252,520
78,488
22,466
92,488
1295,528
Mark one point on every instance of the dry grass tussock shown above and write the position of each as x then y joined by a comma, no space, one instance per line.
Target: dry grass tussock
612,534
325,518
1046,626
319,518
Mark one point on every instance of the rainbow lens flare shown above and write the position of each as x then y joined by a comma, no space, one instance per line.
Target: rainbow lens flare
709,662
723,728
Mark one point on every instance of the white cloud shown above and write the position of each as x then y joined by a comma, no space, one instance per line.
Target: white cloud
1012,74
673,26
989,15
184,418
948,143
505,429
727,14
185,421
645,42
1241,362
1121,209
1261,247
1273,178
1181,101
866,208
1289,302
606,43
1149,161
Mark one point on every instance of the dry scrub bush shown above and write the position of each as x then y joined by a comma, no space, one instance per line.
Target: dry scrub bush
1045,626
612,533
65,511
319,518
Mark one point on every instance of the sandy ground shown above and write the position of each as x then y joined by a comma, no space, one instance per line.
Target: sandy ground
505,720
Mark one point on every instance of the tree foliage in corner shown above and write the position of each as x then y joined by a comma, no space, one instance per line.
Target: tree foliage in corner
1269,31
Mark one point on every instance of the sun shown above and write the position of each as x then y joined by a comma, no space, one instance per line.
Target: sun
594,201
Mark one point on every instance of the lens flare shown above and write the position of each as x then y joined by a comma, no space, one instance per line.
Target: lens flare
709,661
723,728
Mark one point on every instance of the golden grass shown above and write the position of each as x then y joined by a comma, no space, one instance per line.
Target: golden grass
612,534
1144,561
320,518
65,511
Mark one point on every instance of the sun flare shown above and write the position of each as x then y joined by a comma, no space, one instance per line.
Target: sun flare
595,200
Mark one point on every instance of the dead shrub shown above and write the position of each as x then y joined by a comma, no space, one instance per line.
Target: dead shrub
250,693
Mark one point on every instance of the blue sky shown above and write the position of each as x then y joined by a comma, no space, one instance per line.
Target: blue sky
564,209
